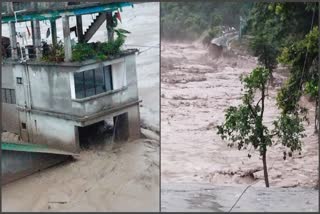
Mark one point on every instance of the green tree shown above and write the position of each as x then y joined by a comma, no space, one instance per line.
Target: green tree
265,50
275,26
188,20
302,59
244,123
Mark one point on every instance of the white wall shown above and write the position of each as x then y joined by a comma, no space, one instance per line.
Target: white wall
119,77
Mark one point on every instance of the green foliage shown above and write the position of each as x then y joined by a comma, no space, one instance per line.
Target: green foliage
101,51
82,51
188,20
289,129
311,88
256,79
55,53
288,96
289,34
265,50
113,47
244,126
214,31
303,71
276,26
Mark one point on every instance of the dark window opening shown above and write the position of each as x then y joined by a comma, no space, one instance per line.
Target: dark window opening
89,83
23,125
95,134
19,80
8,96
108,77
92,82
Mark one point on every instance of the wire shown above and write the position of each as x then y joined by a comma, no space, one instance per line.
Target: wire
140,52
241,195
143,46
306,56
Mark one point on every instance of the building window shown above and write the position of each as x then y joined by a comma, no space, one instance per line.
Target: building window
23,125
92,82
19,80
8,95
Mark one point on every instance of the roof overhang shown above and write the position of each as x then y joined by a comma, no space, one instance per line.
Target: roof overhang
74,10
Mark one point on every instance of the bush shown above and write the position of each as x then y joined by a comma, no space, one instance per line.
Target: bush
99,50
53,53
82,51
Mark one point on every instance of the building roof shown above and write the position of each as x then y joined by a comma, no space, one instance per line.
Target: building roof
29,147
123,53
59,11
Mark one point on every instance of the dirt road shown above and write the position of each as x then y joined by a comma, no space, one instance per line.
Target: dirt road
195,91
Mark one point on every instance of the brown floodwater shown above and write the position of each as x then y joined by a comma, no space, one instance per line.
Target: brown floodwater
195,91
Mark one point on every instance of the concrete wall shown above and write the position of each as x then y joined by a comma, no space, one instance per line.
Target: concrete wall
127,124
134,122
10,120
16,164
44,87
52,88
55,132
125,87
47,105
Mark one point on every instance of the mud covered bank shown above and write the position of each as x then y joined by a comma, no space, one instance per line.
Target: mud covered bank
195,91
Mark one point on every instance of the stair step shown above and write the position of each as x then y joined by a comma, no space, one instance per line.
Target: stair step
97,22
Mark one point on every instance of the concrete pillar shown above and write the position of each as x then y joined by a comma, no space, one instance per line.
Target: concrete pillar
67,39
121,126
32,34
36,34
37,38
13,40
13,32
79,29
53,31
110,26
127,125
134,122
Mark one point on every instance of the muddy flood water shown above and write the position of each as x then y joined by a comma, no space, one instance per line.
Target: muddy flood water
195,91
107,176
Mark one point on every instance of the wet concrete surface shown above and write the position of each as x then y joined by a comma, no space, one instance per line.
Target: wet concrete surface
202,197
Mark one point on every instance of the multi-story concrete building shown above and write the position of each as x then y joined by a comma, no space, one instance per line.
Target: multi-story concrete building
56,103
